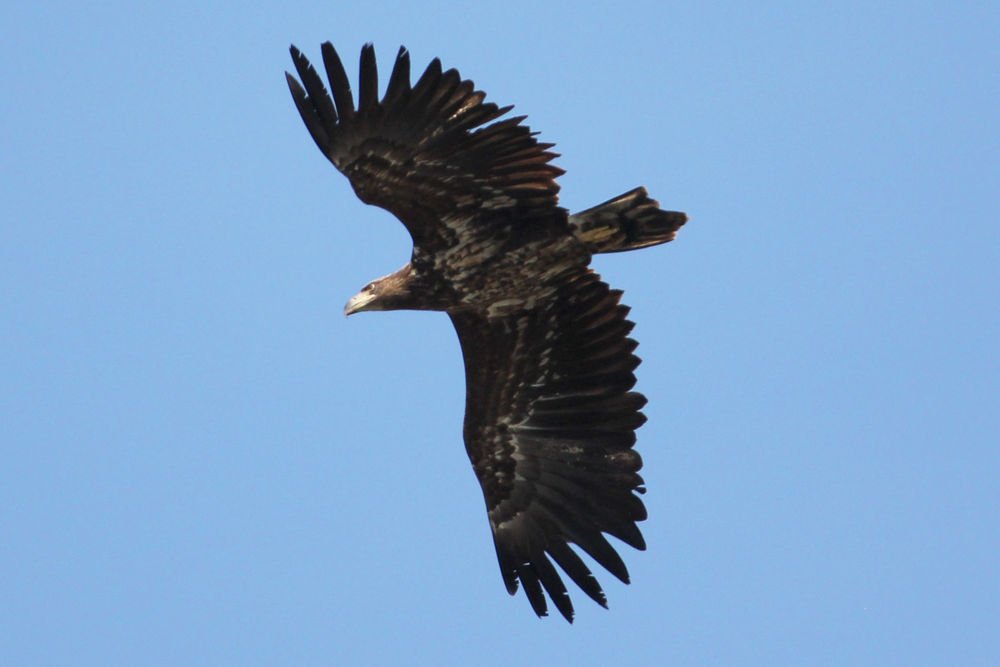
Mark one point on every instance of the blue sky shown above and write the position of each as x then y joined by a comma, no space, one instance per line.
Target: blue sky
205,463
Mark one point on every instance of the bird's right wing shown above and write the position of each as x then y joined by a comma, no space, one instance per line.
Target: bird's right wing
549,428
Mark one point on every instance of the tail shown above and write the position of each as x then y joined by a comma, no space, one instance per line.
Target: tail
627,222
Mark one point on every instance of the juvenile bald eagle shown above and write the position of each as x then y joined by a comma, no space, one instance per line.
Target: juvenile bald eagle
550,417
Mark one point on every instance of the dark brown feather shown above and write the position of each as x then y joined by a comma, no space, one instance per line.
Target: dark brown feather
399,80
368,87
340,85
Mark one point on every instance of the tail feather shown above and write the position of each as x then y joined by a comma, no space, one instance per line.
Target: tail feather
627,222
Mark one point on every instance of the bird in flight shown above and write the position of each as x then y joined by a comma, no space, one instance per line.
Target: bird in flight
550,415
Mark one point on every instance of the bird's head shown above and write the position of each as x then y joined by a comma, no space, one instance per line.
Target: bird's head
391,292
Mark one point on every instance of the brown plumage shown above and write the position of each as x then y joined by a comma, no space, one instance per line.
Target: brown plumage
550,417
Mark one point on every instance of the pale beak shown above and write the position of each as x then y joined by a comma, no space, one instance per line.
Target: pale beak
358,302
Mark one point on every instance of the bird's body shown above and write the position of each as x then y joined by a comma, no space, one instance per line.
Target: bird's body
550,415
495,277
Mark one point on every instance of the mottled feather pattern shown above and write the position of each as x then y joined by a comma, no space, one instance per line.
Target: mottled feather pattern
422,152
627,222
551,439
550,412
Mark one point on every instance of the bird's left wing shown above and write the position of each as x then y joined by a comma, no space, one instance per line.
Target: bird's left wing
549,428
422,152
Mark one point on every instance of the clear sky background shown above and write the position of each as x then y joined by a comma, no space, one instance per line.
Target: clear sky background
203,462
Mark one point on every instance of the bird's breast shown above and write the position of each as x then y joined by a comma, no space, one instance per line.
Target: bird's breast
501,280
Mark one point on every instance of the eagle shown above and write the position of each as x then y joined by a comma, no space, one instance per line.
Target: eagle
550,415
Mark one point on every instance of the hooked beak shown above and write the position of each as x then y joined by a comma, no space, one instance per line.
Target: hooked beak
358,302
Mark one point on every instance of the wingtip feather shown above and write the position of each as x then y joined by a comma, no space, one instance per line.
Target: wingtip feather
368,79
339,83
